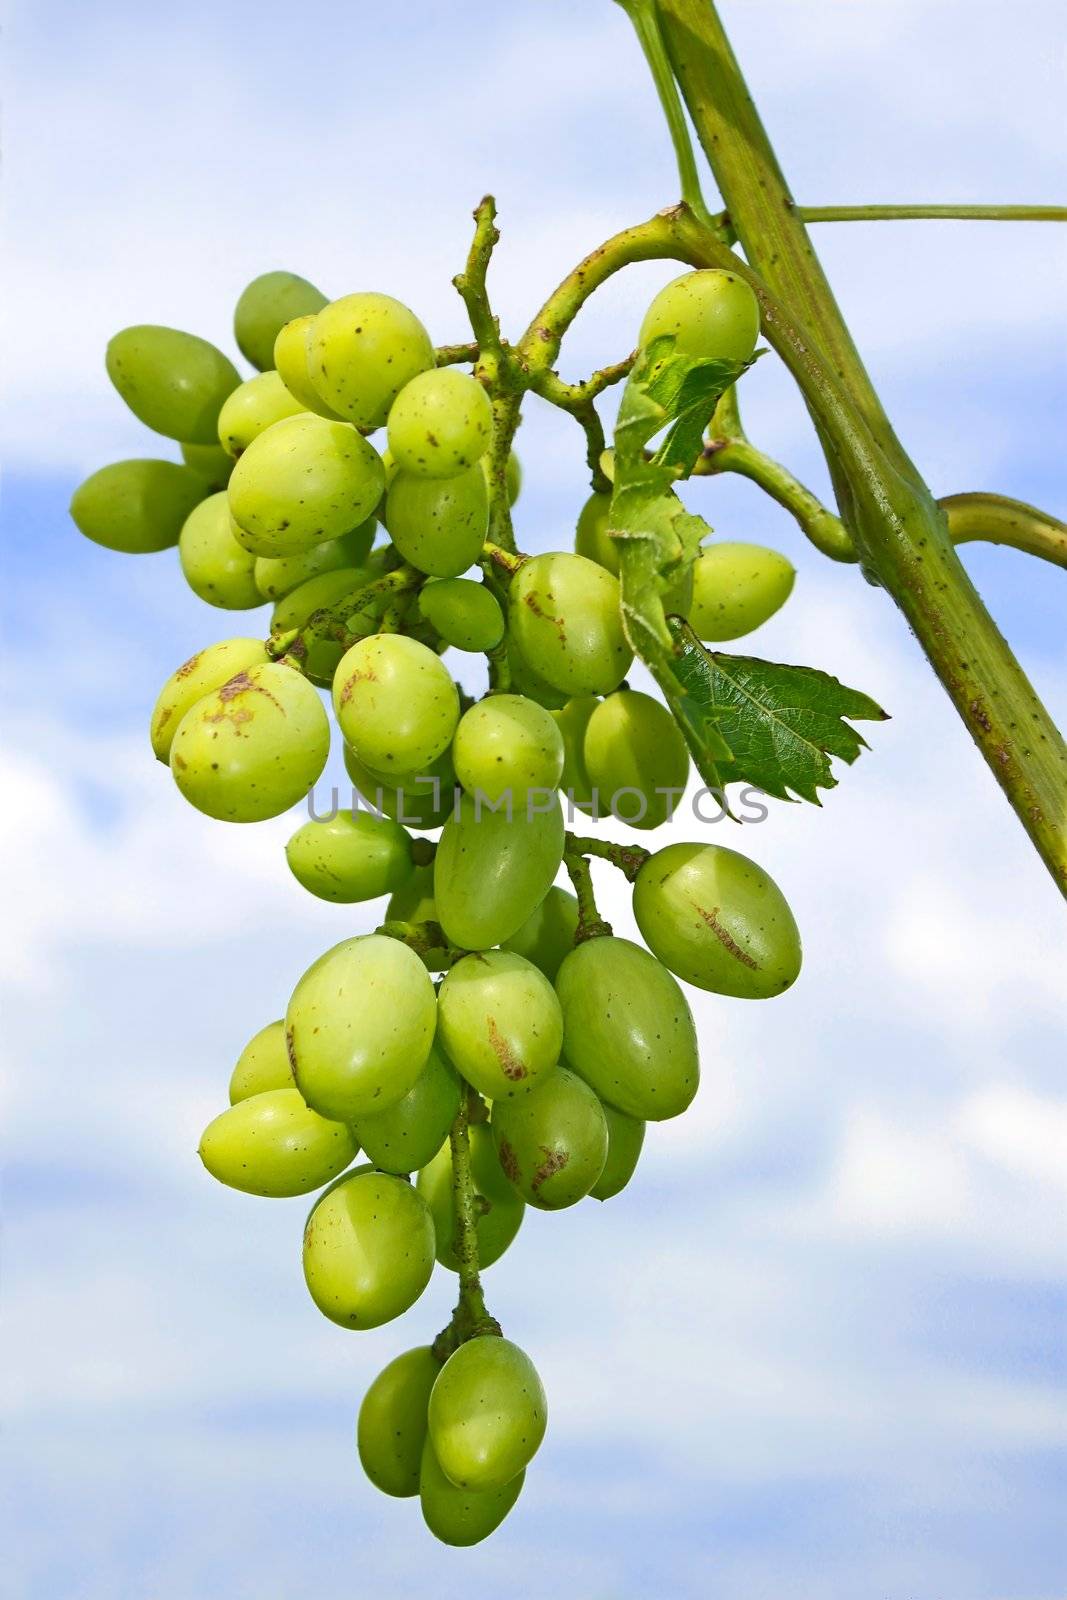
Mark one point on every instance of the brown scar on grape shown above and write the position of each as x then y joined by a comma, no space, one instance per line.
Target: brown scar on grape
555,1161
510,1064
351,681
188,666
290,1050
711,918
546,616
508,1162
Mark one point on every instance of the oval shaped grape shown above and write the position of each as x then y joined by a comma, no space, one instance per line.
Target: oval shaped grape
264,308
462,1517
627,1029
362,350
136,507
210,462
421,800
396,703
209,669
487,1414
359,1027
292,355
499,1217
408,1136
278,576
508,745
466,615
173,382
524,680
368,1249
438,524
500,1022
391,1430
552,1143
711,314
572,722
304,480
254,747
214,565
350,857
626,1137
440,423
736,587
718,921
273,1144
263,1064
252,408
492,871
547,935
636,759
564,613
593,540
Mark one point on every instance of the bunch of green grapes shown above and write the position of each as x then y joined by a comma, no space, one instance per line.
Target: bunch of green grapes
526,1074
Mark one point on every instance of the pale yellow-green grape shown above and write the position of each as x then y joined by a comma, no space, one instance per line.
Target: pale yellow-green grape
264,308
253,747
413,901
717,920
467,615
252,408
487,1414
627,1029
505,746
136,507
636,759
360,1025
390,473
626,1135
321,652
736,587
711,313
291,356
409,1135
396,703
173,382
391,1430
572,722
302,481
462,1517
552,1143
438,525
592,540
215,566
500,1022
368,1249
525,681
210,462
440,423
263,1064
272,1144
490,872
421,800
564,614
488,1174
277,576
547,935
352,856
209,669
499,1215
362,350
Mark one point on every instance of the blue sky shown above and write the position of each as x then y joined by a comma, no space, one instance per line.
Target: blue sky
816,1349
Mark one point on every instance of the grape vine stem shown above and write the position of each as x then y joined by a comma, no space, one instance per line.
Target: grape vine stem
591,924
470,1317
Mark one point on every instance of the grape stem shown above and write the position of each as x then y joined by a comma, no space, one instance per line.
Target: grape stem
998,520
470,1318
937,213
507,561
629,858
427,939
454,355
499,669
332,622
591,924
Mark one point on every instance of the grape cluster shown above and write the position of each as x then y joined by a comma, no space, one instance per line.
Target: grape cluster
526,1075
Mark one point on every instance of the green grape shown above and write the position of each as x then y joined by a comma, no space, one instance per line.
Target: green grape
173,382
512,474
368,1249
462,1516
592,540
626,1135
421,800
488,1174
264,308
552,1143
627,1029
736,587
136,507
498,1220
354,856
490,872
408,1136
272,1144
547,935
215,566
440,423
210,462
572,721
359,1027
321,649
396,703
291,358
413,901
304,480
636,759
487,1413
391,1430
564,614
525,681
206,671
718,921
277,576
500,1022
711,313
466,615
252,748
362,351
508,745
252,408
438,524
263,1064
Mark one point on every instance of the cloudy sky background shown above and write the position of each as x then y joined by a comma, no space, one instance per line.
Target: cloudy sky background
816,1349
